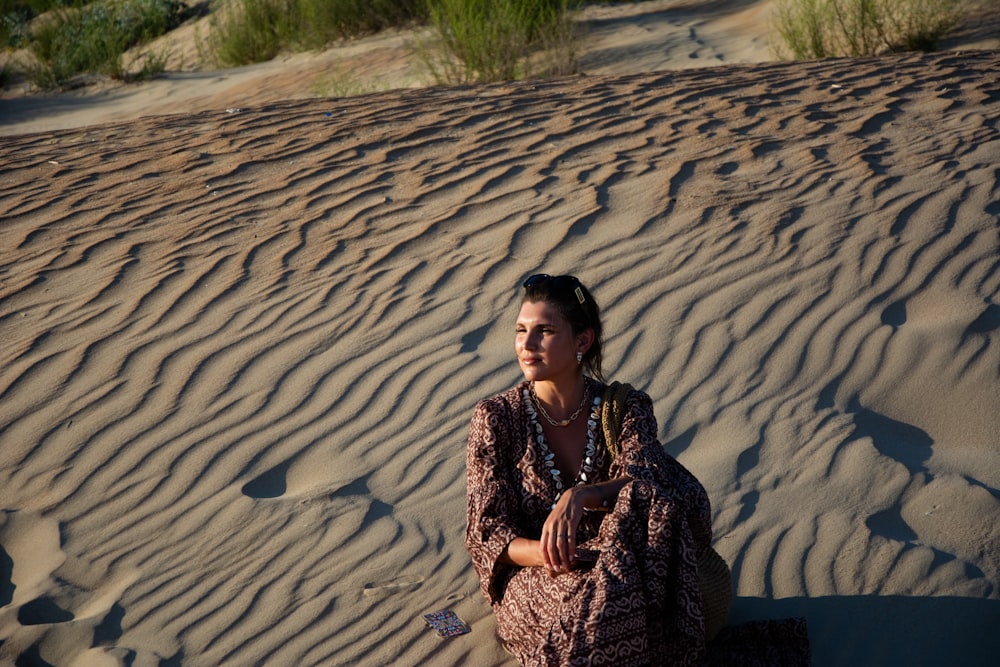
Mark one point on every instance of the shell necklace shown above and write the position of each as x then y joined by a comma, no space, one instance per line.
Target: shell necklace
590,454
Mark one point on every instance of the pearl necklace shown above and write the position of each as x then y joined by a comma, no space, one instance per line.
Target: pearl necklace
565,422
549,458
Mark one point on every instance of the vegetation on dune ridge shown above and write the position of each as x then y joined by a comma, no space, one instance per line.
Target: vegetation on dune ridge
249,31
500,40
475,40
470,40
827,28
70,38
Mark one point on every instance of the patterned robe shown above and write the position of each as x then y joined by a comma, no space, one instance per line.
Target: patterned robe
639,603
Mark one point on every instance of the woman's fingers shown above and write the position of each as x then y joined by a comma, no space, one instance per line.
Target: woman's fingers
548,552
559,535
568,543
559,549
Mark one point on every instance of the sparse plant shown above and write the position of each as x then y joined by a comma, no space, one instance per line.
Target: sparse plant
499,40
144,66
341,83
16,17
335,19
248,31
925,23
825,28
66,42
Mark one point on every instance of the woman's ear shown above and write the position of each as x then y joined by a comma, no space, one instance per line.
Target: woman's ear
584,340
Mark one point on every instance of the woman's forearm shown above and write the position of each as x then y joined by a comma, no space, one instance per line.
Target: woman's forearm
602,496
523,552
526,552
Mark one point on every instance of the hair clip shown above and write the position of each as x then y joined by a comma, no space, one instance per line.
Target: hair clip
579,295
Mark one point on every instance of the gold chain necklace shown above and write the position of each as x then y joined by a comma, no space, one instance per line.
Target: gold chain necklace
568,420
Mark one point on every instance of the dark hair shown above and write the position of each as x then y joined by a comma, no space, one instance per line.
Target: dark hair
577,306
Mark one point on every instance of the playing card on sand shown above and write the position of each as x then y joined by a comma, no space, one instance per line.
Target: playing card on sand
446,623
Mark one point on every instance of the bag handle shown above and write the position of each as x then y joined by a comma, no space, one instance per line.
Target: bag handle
612,411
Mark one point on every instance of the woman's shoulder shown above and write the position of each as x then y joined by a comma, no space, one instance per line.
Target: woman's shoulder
494,419
504,401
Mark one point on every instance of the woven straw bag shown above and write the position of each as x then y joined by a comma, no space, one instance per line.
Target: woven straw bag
713,572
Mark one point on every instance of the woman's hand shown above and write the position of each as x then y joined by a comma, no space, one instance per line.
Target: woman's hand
558,540
555,550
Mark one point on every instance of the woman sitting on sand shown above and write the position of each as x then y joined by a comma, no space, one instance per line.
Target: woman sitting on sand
590,555
585,557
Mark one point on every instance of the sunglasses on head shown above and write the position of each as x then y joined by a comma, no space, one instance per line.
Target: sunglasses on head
558,282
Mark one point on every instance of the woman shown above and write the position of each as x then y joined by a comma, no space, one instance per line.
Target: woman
585,557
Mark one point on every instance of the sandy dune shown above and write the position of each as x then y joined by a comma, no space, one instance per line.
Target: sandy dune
621,38
239,351
627,38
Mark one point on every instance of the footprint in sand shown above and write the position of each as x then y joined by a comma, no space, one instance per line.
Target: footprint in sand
43,611
308,478
312,474
66,609
399,585
32,552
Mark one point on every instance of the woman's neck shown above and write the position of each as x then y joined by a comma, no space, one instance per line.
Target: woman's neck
561,398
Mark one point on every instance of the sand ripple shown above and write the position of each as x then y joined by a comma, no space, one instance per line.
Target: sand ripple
239,351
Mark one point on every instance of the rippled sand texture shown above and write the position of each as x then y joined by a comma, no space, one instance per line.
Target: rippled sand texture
239,351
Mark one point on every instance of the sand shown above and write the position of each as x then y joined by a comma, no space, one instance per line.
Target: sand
626,38
239,350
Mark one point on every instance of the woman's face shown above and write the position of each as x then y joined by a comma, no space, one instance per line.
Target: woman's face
545,344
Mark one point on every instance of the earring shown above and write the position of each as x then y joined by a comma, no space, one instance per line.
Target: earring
579,358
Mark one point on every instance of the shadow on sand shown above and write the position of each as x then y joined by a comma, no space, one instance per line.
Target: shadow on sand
889,630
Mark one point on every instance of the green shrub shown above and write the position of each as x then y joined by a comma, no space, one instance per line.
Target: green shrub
16,15
335,19
93,38
249,31
825,28
36,7
925,23
499,40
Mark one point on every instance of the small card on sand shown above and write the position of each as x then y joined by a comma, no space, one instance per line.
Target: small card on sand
446,623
